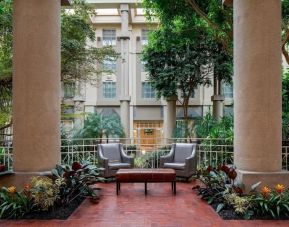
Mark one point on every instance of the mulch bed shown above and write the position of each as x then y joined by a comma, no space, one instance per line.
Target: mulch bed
56,212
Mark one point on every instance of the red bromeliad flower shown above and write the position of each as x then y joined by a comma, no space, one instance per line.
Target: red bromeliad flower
232,174
76,166
210,168
225,169
238,190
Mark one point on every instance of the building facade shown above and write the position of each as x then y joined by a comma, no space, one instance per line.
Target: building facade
127,91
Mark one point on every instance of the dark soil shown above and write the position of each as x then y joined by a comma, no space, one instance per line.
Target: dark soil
56,212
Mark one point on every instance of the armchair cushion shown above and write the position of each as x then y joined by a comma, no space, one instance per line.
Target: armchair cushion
118,165
174,165
182,151
111,152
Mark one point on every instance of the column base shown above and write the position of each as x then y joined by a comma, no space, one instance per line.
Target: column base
19,179
247,179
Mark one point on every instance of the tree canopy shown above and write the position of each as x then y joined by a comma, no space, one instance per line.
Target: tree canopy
79,59
183,52
96,126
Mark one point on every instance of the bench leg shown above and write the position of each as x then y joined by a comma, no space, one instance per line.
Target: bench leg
146,188
175,187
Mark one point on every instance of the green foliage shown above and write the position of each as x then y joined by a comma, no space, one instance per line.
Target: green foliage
74,181
183,52
14,204
5,60
209,127
44,192
151,159
285,104
97,126
217,183
79,59
241,204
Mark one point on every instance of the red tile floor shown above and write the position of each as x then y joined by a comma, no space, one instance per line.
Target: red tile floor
133,209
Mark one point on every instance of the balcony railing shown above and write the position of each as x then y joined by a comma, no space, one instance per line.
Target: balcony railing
147,152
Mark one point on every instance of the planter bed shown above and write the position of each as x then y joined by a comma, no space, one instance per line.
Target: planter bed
230,214
56,212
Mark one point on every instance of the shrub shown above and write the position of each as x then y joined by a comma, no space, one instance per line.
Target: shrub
241,204
44,192
14,204
151,159
74,181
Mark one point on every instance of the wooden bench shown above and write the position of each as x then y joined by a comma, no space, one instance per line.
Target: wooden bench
145,176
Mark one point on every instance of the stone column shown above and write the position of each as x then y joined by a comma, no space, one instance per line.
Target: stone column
217,99
170,118
124,92
79,107
36,85
257,91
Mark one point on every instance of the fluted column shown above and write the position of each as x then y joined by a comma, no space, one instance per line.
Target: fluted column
36,85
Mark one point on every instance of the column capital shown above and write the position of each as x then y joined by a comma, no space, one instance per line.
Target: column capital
217,98
124,8
172,98
124,98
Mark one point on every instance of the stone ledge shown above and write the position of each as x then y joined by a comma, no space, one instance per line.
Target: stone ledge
247,178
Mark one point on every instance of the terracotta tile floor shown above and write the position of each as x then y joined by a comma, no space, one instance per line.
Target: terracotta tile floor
133,209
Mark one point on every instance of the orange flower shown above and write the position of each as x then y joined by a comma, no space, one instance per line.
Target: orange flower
265,191
11,189
279,188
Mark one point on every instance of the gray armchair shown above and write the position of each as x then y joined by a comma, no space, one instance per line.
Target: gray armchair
182,158
112,158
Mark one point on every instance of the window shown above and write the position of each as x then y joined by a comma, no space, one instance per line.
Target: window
109,64
109,90
148,92
69,89
144,36
108,37
227,90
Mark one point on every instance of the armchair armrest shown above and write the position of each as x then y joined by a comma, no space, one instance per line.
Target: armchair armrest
167,158
125,158
103,161
191,163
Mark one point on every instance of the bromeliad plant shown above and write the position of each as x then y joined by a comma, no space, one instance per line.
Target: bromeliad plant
75,181
14,204
273,202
